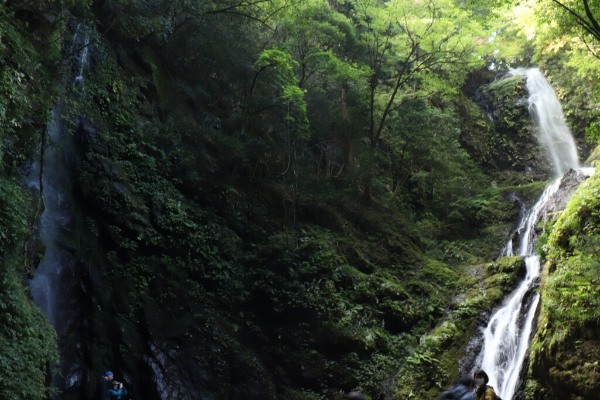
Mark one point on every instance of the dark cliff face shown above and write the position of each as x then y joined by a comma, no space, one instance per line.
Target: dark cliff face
208,275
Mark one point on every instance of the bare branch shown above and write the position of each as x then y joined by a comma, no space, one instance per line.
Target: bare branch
242,3
587,25
234,10
592,51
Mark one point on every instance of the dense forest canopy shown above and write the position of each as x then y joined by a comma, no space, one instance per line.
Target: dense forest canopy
286,199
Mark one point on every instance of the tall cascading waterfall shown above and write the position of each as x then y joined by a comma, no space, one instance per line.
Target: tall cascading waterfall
51,175
506,337
554,134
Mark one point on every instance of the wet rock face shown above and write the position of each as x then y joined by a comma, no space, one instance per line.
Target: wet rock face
513,144
189,372
568,185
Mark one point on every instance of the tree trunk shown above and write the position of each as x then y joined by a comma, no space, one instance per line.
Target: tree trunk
346,131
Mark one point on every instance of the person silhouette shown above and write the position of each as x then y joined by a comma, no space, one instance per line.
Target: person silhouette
104,385
484,391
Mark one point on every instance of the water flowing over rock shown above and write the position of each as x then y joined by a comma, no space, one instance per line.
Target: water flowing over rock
55,280
507,334
553,132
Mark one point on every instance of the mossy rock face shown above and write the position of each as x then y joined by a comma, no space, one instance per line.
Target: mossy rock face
513,145
477,131
568,370
594,157
565,350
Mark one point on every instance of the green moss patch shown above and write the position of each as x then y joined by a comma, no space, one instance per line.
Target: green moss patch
566,343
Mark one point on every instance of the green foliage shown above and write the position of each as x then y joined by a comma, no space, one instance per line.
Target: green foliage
594,157
131,159
573,244
593,132
13,77
27,340
22,98
431,366
281,62
12,214
437,177
291,97
220,186
559,22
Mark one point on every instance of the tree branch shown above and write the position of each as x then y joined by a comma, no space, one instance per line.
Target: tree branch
591,17
588,26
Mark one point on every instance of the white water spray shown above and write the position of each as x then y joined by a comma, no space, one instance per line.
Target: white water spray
545,109
506,337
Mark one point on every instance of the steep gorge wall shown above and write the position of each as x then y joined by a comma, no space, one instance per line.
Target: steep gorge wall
212,281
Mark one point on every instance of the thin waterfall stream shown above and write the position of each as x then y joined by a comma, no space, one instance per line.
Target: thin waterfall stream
51,175
54,182
506,336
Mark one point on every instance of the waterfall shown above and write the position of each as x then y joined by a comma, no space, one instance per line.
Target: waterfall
545,109
506,337
51,176
54,182
53,221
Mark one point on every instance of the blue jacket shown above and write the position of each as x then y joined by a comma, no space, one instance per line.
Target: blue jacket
457,392
117,394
